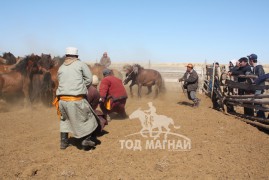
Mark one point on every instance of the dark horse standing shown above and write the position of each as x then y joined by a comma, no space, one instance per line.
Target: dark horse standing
143,77
41,88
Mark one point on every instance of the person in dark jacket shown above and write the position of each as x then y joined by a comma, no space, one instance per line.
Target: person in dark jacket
113,95
261,79
190,79
258,71
244,69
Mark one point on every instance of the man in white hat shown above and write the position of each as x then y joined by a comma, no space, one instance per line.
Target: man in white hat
74,110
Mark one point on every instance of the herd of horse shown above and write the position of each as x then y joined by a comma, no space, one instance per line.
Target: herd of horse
35,77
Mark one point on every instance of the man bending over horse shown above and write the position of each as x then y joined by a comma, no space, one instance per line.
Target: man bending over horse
93,97
190,79
113,95
75,113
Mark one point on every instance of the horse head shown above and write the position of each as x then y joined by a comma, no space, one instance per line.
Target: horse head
3,61
46,61
10,58
28,65
130,74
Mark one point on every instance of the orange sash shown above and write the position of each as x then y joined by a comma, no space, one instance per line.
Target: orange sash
108,104
64,98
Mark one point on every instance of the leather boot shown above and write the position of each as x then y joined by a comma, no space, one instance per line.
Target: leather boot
64,140
87,142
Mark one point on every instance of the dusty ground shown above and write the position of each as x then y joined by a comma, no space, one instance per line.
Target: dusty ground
222,146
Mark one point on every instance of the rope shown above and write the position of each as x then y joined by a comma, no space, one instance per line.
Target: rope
129,75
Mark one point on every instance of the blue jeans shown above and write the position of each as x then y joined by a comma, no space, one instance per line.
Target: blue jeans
192,96
260,113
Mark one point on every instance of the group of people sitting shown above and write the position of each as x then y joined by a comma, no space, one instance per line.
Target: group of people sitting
78,98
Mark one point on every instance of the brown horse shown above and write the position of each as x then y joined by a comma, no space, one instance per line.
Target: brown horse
18,80
41,87
3,61
143,77
54,78
7,68
97,70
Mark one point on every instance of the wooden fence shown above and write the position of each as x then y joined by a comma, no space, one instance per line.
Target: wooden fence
225,92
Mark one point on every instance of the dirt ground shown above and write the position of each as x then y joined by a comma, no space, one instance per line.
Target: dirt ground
222,146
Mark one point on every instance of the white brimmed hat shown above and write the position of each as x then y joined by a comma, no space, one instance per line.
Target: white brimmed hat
71,51
95,80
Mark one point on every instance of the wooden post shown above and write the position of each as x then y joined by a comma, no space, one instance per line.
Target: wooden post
213,80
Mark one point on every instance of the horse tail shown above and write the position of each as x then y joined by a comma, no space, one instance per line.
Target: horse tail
47,88
162,84
163,89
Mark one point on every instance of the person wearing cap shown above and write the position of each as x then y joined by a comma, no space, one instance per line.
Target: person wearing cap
105,60
113,95
190,79
244,69
75,114
257,70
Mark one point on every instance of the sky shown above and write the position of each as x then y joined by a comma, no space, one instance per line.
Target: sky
138,30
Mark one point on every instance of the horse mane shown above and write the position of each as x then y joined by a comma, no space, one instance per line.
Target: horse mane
11,59
138,66
22,65
58,60
46,61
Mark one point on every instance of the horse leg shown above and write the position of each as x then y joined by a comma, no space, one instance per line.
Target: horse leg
157,89
139,90
25,90
131,90
149,90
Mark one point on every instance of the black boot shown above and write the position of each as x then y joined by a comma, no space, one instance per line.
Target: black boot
87,142
64,140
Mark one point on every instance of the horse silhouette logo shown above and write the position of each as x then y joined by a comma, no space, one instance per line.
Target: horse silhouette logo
152,123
